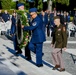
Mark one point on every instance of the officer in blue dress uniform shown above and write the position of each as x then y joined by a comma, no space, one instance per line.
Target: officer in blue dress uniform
5,16
13,29
27,51
38,35
13,34
44,17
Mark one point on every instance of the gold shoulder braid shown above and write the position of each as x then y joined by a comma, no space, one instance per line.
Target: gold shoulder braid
20,33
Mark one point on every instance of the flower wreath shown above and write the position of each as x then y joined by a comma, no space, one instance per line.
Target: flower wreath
24,22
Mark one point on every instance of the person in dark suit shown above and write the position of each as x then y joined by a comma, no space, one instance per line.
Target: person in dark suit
38,35
5,16
59,42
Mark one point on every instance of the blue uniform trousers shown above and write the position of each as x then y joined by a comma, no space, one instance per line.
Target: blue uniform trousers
16,47
38,48
14,41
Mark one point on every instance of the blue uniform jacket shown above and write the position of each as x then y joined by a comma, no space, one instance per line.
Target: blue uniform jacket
45,20
38,35
13,26
52,19
6,17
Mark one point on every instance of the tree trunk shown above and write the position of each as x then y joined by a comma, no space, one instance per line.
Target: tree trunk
50,5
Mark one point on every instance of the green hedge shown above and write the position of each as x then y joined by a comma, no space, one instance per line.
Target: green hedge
11,11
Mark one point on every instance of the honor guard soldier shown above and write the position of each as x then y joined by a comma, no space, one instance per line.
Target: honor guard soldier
14,33
38,36
27,51
59,42
13,30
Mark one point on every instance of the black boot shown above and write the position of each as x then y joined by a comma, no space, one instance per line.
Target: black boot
27,53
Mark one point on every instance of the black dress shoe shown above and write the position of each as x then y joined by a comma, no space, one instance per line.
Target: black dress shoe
39,65
62,69
56,67
28,58
18,53
42,54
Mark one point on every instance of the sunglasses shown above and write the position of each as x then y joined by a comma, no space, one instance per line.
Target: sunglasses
32,14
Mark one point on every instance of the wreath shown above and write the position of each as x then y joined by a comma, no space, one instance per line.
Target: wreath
24,21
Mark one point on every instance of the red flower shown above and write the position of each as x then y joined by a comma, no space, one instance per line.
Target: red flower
26,36
24,42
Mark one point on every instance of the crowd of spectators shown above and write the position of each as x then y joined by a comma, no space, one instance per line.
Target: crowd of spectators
47,18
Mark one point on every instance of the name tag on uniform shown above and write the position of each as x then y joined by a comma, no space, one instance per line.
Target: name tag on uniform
34,23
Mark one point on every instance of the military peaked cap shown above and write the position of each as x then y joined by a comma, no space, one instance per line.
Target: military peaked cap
20,4
33,10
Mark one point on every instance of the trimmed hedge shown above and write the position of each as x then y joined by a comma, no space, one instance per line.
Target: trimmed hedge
11,11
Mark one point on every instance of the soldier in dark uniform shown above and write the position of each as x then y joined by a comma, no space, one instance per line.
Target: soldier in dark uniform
38,36
59,43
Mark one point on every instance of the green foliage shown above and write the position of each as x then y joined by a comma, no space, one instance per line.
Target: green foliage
9,11
9,4
27,6
23,18
6,4
40,5
62,1
22,1
24,22
13,5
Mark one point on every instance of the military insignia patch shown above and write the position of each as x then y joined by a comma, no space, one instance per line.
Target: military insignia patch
34,23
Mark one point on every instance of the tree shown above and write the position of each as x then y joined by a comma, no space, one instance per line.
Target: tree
40,5
6,4
22,1
13,5
62,1
50,2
